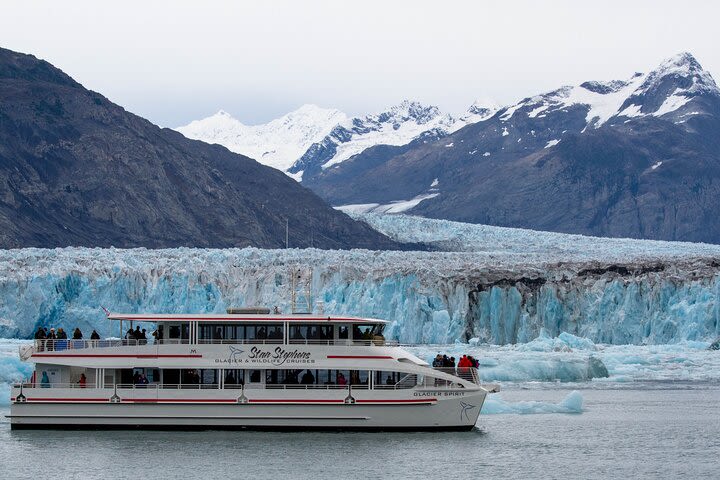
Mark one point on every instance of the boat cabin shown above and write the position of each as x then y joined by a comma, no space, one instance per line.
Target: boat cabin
257,328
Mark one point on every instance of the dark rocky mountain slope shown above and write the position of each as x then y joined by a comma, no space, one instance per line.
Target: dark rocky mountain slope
78,170
637,158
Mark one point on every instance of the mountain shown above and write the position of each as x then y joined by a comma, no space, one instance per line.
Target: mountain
78,170
277,144
310,139
626,158
400,125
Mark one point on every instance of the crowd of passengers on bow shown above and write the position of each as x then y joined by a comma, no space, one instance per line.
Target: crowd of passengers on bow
51,340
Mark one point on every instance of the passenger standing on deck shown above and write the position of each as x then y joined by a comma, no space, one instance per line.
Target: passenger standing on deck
40,337
83,380
77,334
51,337
464,367
44,381
94,337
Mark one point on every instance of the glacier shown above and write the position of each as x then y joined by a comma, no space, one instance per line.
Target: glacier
496,285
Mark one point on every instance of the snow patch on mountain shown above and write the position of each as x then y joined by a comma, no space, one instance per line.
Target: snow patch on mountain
399,125
671,103
394,207
277,143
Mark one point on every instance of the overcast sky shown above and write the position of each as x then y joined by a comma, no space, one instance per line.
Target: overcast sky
176,61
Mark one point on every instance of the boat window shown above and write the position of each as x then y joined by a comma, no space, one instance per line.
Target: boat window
209,377
311,333
190,377
271,377
223,333
174,331
234,378
126,376
343,331
171,376
358,377
394,380
325,377
368,331
254,376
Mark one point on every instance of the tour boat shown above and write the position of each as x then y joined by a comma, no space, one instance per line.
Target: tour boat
248,368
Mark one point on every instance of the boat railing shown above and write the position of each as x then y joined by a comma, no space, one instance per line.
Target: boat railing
469,374
195,386
62,345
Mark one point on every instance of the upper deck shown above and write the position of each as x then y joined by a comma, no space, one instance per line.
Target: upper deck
242,317
245,328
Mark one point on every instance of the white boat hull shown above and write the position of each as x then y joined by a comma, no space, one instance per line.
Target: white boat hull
440,413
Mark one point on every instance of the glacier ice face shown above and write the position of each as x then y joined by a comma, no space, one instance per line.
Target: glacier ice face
510,287
11,368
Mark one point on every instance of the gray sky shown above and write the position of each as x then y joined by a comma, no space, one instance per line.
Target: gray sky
175,61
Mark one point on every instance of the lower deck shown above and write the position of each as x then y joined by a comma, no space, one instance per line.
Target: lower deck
247,398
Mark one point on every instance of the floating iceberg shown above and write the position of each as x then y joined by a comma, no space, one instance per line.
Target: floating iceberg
494,403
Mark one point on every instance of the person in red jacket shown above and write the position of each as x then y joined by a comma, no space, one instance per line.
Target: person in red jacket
464,367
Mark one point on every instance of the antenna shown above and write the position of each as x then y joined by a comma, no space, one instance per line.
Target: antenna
304,279
287,232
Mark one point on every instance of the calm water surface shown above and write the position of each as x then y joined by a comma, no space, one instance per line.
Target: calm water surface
626,433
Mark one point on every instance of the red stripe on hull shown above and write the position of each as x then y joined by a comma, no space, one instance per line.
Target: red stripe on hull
413,400
68,399
223,400
180,400
98,355
378,357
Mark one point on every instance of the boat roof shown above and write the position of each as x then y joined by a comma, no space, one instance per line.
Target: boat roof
254,318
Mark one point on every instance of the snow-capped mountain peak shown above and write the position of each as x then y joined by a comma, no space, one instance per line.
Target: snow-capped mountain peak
398,125
662,91
478,111
312,139
277,143
685,69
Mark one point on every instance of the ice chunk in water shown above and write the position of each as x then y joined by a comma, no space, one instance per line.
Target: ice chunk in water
572,403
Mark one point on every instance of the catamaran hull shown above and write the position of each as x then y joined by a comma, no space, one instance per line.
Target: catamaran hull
443,414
